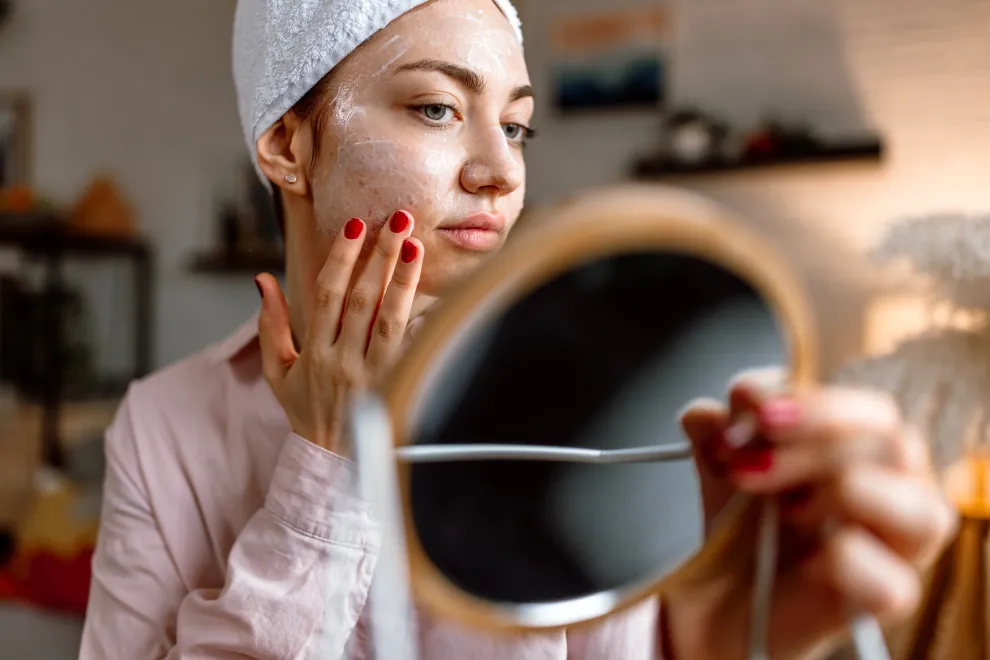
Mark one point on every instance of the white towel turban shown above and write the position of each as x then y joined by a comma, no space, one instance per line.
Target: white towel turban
282,48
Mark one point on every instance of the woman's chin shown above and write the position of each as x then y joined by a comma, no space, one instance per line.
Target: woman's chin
438,279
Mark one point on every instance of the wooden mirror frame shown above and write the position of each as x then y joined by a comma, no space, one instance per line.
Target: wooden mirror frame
615,220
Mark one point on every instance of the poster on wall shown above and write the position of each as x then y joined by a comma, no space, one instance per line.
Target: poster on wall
610,60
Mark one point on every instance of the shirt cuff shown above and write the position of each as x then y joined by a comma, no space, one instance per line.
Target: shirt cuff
315,492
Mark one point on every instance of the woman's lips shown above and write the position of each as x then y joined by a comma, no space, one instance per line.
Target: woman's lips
481,232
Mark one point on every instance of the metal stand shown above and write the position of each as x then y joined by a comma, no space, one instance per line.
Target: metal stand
393,630
867,637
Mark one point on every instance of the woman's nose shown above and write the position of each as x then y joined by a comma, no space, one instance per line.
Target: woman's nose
492,167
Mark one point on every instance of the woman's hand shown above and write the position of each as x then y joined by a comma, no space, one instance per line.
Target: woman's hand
861,517
354,331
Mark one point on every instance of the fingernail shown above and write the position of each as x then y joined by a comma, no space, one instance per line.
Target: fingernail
741,432
399,222
409,252
752,460
781,414
353,228
261,292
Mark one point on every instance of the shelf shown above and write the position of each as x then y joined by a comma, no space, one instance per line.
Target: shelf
849,152
43,233
238,262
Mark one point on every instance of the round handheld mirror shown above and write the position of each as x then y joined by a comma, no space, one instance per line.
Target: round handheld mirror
544,478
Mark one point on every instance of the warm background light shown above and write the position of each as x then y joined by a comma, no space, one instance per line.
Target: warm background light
967,484
892,319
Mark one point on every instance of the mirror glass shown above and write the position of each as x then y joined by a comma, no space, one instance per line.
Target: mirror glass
601,357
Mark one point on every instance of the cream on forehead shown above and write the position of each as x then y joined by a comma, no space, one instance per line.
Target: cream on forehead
489,47
392,49
487,56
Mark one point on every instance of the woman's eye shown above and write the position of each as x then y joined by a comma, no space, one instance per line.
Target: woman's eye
437,112
517,132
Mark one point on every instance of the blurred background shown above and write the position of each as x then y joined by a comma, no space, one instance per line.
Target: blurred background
131,224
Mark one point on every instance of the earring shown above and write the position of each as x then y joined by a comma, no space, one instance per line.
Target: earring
291,178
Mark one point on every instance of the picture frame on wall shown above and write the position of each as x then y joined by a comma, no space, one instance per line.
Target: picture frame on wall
611,60
15,139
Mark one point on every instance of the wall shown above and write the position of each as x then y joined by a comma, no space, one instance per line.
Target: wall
915,70
142,91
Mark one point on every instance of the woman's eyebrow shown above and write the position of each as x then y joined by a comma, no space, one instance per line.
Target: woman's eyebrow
468,78
471,80
521,92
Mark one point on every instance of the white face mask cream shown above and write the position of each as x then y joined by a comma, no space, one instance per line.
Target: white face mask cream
424,119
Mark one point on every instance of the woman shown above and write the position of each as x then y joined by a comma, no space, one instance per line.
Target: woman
392,133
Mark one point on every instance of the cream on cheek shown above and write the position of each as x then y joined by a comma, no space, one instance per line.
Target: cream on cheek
372,175
378,162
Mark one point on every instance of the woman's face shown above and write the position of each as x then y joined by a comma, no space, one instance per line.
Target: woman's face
430,116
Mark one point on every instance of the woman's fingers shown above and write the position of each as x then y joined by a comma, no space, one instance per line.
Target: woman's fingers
699,415
366,294
393,313
332,284
275,335
766,468
824,416
867,575
814,437
704,422
908,515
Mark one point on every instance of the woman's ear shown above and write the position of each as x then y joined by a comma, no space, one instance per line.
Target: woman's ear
285,151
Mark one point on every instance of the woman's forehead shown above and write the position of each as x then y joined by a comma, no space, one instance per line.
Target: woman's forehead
471,33
482,15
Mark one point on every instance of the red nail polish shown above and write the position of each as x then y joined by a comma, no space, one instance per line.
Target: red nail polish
752,460
353,228
781,414
409,252
261,292
399,222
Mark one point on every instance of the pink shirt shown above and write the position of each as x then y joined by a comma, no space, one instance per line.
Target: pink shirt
224,535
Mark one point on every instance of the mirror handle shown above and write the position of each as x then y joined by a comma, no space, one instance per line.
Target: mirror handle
766,570
393,629
867,637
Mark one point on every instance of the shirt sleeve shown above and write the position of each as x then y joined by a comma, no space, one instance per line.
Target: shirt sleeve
297,577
